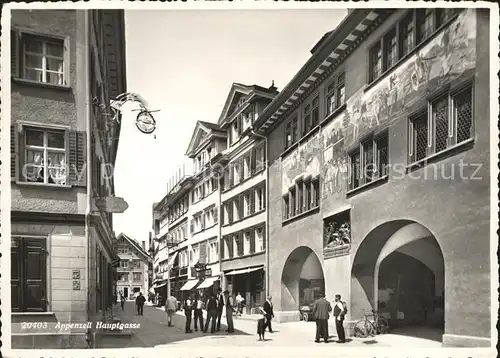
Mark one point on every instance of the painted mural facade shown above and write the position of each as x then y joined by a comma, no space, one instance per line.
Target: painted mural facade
304,162
449,56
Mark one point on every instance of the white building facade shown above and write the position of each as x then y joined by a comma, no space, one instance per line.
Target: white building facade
243,195
133,269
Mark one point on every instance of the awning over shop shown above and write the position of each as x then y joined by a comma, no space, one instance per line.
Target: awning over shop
189,285
161,285
243,271
209,281
172,259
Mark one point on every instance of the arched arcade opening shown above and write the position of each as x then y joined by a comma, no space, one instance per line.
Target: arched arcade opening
302,279
398,270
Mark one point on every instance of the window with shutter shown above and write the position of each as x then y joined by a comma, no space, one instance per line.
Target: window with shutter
14,153
230,211
28,278
14,53
203,253
252,241
241,207
44,156
191,226
40,58
216,215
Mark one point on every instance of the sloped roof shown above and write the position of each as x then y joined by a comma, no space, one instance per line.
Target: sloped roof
245,90
320,42
212,126
206,127
134,243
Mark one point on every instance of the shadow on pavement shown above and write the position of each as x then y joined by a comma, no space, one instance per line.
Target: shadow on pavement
423,332
154,330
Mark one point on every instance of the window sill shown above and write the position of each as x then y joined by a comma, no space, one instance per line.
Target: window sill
289,150
373,183
333,115
205,229
301,215
243,256
177,220
458,148
417,48
204,197
20,314
257,172
40,84
309,134
43,185
244,218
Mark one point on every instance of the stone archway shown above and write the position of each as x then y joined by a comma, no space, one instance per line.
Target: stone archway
399,271
302,279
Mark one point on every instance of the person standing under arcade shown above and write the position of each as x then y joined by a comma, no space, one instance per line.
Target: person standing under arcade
220,307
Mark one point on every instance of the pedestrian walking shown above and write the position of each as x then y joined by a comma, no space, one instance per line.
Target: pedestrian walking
170,308
188,312
139,302
268,308
211,313
261,325
321,313
229,312
122,301
239,304
339,312
198,312
220,307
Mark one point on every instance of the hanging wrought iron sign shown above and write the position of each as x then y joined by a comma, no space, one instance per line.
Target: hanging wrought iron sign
144,121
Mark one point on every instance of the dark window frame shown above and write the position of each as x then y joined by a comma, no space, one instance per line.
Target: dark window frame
291,130
427,119
408,36
369,170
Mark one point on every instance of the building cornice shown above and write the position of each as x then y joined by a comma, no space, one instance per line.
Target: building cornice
50,218
326,60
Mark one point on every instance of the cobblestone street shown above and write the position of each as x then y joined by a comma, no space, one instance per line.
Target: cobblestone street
154,332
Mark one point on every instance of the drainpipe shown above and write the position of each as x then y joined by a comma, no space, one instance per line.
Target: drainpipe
267,209
88,166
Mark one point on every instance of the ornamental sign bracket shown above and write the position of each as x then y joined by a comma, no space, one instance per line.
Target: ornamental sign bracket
144,121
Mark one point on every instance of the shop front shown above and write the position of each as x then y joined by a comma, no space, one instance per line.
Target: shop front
250,284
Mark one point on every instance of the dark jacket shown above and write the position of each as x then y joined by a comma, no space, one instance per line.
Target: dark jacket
220,302
322,309
139,301
211,304
268,308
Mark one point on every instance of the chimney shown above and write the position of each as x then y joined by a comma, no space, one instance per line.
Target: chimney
144,244
272,87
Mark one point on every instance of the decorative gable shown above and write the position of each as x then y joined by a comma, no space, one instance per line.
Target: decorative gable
200,134
236,97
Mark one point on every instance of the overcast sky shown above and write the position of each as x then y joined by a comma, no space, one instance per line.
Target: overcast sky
183,63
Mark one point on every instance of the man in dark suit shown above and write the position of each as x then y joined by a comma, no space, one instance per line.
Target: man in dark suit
198,306
211,313
188,312
321,313
268,308
339,312
220,307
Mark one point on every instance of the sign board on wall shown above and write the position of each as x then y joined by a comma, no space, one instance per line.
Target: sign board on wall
111,204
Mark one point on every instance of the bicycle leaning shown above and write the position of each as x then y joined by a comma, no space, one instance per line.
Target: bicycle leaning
370,327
